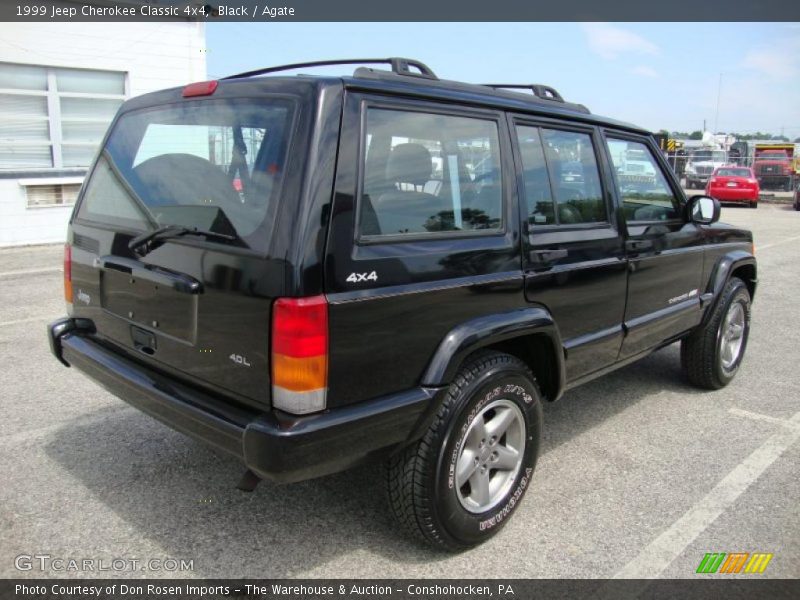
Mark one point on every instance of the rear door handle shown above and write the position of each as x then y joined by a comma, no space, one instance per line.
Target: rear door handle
548,255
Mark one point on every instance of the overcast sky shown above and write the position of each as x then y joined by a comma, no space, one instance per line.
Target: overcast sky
658,75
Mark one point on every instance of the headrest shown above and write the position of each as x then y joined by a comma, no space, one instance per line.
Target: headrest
409,163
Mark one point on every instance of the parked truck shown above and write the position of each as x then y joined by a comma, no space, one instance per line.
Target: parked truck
701,164
774,166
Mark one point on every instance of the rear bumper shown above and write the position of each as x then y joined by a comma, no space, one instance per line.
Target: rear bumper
733,194
274,445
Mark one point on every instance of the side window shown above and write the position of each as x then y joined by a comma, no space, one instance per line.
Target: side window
561,177
425,173
574,176
642,187
538,195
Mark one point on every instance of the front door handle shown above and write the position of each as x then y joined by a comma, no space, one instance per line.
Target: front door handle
639,245
548,255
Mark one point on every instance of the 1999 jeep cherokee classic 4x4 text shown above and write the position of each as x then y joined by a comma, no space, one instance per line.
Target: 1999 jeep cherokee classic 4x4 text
307,272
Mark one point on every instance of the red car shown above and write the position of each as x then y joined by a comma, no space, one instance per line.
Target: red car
734,184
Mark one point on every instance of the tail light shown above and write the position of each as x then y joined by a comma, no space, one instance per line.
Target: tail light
68,273
300,354
712,181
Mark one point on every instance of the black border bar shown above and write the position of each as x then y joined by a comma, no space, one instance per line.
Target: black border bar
702,587
262,11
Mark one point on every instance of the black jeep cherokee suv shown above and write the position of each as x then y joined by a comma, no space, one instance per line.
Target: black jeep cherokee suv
308,272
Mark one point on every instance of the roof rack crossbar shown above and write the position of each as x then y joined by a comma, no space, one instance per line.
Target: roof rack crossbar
400,66
545,92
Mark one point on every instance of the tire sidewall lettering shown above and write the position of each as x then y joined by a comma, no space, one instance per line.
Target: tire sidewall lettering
519,390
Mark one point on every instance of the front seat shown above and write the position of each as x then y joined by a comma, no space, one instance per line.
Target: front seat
404,210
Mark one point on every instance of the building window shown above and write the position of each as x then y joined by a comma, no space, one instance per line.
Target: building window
51,117
52,195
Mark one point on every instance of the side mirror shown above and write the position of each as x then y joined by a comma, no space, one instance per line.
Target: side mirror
704,210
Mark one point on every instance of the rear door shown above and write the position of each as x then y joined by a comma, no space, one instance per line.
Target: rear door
197,307
573,254
664,249
423,237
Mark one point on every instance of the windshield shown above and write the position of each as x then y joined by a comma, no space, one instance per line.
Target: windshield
773,155
708,155
214,165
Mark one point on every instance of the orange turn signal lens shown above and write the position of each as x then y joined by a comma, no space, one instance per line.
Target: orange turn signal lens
300,374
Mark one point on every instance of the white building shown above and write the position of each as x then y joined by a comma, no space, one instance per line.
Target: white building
60,85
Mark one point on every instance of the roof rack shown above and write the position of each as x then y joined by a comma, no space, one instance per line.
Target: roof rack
400,66
545,92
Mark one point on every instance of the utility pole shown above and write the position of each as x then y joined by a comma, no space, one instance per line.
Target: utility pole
716,115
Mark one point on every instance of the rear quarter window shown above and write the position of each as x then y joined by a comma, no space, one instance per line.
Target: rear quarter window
427,174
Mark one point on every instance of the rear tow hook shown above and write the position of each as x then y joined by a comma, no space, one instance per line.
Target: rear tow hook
249,481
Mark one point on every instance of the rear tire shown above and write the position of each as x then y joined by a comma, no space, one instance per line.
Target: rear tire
712,354
458,486
754,204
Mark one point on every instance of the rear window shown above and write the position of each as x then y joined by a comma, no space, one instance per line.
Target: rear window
734,173
213,164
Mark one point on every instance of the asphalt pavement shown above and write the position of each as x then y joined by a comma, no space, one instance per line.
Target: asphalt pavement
640,474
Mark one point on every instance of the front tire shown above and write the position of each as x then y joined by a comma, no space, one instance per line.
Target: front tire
458,486
712,354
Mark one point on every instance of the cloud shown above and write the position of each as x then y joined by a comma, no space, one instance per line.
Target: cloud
779,61
645,71
610,41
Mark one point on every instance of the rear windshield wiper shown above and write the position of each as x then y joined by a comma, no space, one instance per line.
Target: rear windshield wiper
146,242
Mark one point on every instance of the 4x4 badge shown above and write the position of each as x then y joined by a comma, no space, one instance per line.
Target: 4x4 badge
359,277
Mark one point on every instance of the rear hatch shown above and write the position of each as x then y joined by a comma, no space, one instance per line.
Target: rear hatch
194,300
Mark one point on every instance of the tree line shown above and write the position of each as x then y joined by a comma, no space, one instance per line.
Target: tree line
698,135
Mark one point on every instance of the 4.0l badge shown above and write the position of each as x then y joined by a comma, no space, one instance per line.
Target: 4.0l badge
239,359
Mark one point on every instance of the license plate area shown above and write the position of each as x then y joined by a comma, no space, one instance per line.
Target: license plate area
143,340
150,305
732,184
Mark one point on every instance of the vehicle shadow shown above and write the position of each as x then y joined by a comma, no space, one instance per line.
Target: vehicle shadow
182,495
